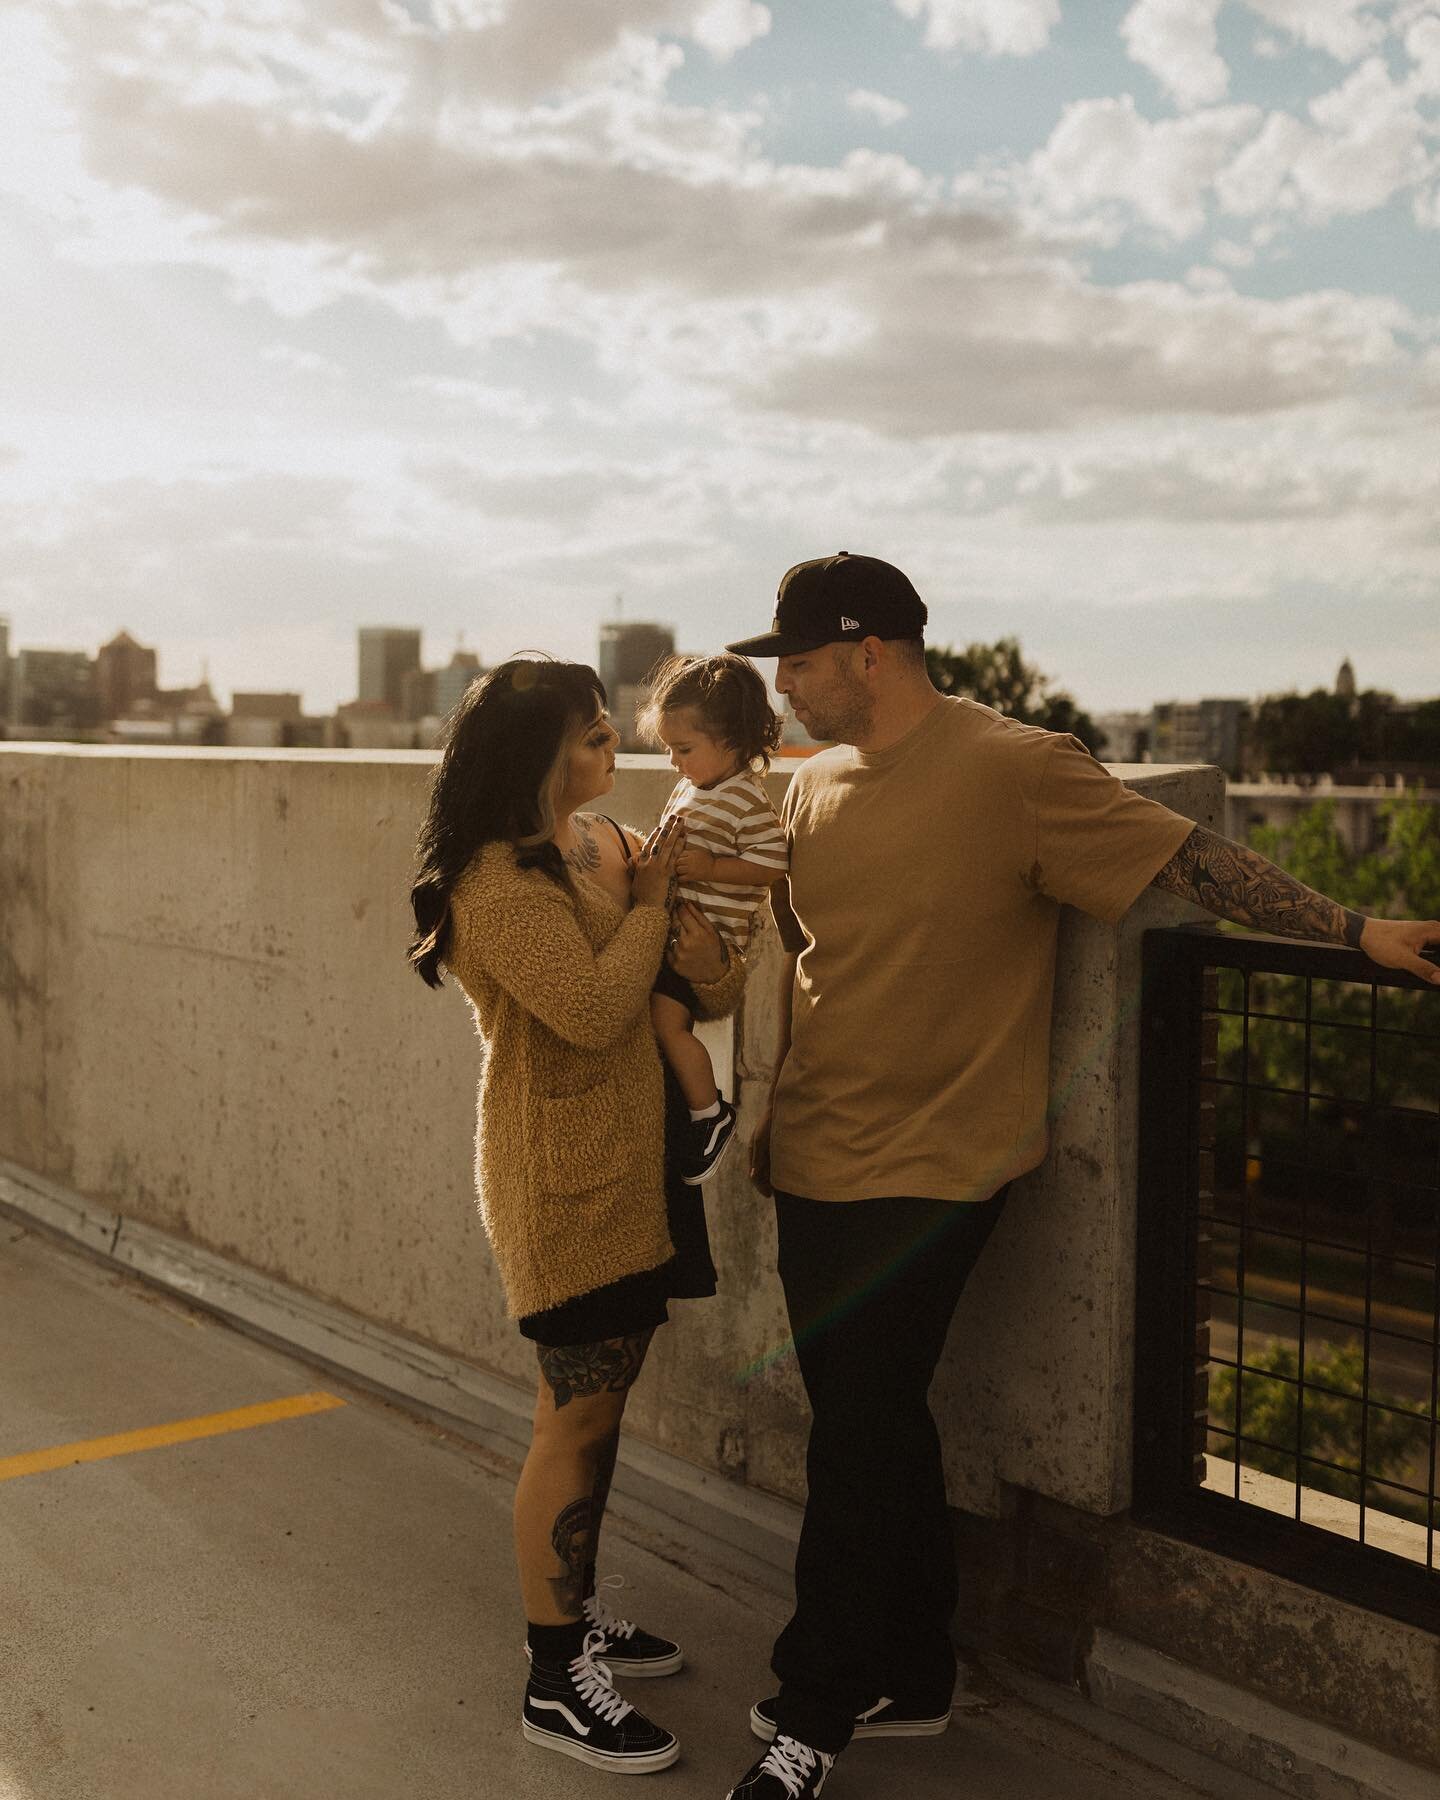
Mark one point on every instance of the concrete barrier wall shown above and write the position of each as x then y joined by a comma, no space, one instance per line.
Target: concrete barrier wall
207,1023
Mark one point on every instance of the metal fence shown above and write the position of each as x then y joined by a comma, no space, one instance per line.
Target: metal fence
1288,1299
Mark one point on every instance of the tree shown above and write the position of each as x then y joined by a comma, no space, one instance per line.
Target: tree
1395,1441
997,675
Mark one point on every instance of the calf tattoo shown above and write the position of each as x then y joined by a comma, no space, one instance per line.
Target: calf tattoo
609,1367
1237,883
572,1537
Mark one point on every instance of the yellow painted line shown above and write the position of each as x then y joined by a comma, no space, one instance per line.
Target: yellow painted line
154,1437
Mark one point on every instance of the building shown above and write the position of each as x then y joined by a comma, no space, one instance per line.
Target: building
1198,731
452,681
52,693
417,694
1127,735
628,655
388,653
4,671
125,673
1280,804
262,720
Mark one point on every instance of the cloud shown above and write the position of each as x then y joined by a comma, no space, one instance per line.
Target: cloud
1104,151
1365,141
877,106
1175,40
1344,29
995,27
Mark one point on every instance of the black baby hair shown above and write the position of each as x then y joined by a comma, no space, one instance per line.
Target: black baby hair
728,696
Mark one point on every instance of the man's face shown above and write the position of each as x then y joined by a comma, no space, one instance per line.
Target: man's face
827,692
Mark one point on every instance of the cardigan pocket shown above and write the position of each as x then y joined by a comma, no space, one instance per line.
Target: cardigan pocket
579,1145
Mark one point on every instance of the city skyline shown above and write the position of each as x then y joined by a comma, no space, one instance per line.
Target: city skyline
1114,325
658,634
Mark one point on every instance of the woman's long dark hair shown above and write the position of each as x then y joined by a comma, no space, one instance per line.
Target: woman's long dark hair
506,748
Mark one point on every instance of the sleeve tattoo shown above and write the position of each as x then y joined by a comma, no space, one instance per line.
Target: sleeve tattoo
1237,883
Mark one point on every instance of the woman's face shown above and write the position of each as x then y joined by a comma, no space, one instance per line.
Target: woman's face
591,770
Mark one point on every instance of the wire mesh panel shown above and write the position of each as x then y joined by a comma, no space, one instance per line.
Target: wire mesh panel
1290,1229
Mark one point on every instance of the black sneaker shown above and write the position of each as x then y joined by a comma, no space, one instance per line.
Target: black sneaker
886,1718
789,1770
627,1650
707,1140
576,1711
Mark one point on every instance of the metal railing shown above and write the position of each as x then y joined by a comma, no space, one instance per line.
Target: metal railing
1288,1296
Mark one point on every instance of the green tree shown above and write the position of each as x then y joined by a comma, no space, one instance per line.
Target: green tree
997,675
1399,879
1270,1412
1300,734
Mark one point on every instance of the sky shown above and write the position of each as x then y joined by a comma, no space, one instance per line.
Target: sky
1115,323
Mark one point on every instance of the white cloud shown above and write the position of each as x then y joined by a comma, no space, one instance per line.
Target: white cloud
1104,154
1175,40
1366,141
878,106
995,27
1344,29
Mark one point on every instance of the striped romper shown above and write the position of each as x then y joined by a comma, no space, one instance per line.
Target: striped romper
733,818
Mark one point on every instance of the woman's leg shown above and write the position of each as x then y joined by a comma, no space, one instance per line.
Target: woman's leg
684,1052
563,1488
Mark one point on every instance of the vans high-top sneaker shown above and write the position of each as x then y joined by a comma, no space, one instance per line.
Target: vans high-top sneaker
573,1708
627,1650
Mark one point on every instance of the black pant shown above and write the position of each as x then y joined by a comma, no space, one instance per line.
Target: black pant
871,1287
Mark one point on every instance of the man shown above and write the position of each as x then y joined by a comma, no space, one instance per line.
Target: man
931,851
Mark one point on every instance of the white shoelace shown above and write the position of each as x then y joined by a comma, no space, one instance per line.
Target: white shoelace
593,1683
792,1761
598,1612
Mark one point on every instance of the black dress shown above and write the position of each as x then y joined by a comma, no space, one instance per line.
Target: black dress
637,1303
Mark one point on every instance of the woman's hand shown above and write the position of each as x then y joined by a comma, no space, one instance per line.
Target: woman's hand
696,951
655,864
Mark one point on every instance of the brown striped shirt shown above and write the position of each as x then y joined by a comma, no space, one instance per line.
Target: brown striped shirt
733,818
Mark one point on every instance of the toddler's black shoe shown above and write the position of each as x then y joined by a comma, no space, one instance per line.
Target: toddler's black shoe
789,1770
627,1650
574,1709
707,1140
886,1718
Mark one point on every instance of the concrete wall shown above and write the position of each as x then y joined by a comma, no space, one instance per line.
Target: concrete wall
207,1023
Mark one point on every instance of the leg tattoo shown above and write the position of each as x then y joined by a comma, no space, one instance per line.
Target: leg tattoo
571,1537
609,1367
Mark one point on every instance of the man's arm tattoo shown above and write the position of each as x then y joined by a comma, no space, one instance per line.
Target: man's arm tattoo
1237,883
608,1367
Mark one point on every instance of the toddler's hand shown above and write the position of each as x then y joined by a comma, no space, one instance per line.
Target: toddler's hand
695,865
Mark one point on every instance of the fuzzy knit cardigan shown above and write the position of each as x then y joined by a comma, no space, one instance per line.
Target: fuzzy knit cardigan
569,1147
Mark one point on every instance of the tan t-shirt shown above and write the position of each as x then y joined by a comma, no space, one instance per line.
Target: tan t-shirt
923,896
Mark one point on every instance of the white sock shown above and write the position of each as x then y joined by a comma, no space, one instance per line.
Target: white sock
712,1111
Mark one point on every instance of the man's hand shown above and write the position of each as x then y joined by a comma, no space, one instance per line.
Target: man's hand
696,865
1397,943
760,1155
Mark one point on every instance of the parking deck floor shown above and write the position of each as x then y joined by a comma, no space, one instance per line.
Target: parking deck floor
306,1593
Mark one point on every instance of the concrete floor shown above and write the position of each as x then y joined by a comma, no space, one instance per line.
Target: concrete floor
324,1607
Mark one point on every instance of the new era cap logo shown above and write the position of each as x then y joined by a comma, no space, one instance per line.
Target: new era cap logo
849,624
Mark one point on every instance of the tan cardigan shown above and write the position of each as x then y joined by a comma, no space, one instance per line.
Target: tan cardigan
569,1148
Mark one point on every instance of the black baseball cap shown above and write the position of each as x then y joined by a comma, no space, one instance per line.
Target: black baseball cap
838,599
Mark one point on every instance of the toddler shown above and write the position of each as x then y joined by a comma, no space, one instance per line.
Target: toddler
713,715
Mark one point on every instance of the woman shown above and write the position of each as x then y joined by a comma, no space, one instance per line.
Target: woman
554,921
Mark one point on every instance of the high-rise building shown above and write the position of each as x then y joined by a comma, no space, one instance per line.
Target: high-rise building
54,690
124,673
1205,731
4,669
450,683
630,650
388,653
